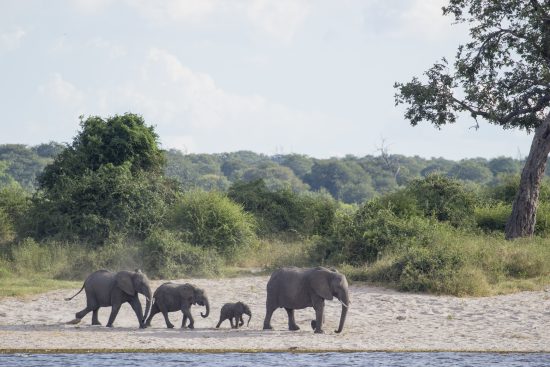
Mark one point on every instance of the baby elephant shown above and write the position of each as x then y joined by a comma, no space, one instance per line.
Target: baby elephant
234,310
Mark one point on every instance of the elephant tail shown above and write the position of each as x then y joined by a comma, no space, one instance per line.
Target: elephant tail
70,298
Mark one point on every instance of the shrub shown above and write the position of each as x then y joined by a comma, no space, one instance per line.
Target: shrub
212,221
444,199
166,256
492,217
371,233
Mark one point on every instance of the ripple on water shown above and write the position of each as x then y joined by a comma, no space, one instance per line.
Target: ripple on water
277,359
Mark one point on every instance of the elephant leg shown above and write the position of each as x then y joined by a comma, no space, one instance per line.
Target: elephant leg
231,322
187,314
291,321
319,316
154,311
183,321
80,314
169,325
241,321
136,306
268,313
114,311
95,320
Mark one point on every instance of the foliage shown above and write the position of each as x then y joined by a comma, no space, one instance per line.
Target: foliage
94,206
284,210
166,256
444,199
118,140
211,221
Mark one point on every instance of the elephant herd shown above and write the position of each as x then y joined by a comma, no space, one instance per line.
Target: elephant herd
288,288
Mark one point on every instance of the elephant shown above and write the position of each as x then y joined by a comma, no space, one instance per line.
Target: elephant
235,311
104,288
297,288
170,297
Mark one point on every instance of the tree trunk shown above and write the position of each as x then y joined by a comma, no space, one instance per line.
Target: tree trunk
524,210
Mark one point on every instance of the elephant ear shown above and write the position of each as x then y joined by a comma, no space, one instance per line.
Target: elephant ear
320,283
124,282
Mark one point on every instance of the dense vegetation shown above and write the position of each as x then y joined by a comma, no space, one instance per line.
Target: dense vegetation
113,199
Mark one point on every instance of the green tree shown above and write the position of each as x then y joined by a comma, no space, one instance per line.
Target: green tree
501,75
107,181
118,140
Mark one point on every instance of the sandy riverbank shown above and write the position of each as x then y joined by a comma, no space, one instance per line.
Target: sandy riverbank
379,319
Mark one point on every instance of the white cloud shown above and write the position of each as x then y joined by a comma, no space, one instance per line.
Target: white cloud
62,91
91,6
113,50
425,18
191,111
175,10
12,39
417,18
280,19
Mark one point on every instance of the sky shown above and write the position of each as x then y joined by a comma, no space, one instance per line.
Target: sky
272,76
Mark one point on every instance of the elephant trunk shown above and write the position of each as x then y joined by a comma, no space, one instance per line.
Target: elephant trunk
207,305
342,318
148,301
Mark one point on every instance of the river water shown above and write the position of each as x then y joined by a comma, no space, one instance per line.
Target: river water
277,359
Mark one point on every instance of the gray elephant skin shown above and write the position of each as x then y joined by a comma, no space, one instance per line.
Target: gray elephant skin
104,288
298,288
170,297
235,311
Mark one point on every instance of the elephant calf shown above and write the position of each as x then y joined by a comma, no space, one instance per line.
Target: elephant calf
235,311
170,297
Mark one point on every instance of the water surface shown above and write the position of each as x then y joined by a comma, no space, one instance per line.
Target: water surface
277,359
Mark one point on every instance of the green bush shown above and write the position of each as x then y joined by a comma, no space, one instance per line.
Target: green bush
371,233
284,210
212,221
444,199
166,256
492,217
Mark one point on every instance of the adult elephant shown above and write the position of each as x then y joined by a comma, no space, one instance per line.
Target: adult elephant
105,288
297,288
170,297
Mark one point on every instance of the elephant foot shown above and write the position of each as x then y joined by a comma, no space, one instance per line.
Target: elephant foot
268,327
313,324
319,331
293,327
170,326
96,323
109,325
191,327
73,321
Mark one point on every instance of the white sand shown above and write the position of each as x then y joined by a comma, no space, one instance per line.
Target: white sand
379,319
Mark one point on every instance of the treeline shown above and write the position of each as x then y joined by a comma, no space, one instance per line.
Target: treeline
113,199
350,179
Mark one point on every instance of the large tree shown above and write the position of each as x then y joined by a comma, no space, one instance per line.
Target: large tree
108,181
502,76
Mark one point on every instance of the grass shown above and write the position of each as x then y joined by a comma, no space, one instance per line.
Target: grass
463,264
17,286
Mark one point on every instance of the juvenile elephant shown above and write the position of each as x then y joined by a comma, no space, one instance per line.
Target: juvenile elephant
296,288
170,297
104,288
235,311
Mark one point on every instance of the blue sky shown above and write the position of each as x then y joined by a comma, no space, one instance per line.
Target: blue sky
283,76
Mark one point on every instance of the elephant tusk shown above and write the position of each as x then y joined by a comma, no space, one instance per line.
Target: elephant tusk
343,304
